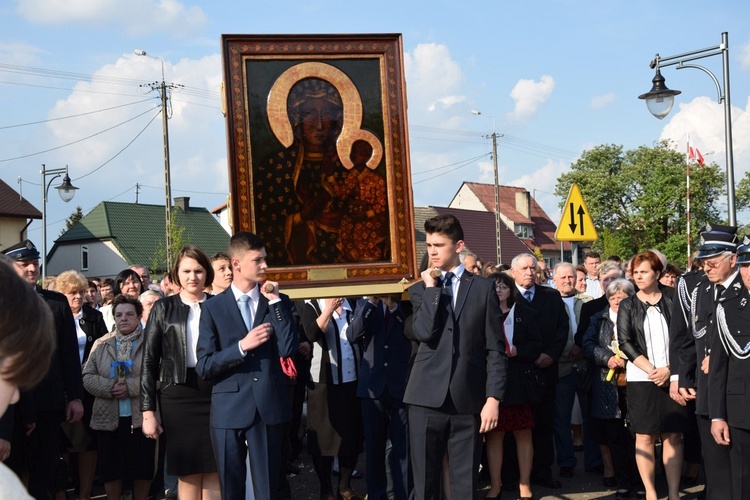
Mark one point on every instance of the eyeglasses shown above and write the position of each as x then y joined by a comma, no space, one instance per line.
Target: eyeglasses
713,264
502,287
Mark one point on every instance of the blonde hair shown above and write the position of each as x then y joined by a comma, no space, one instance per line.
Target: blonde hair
69,281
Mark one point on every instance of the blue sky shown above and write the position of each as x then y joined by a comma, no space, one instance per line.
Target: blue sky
555,77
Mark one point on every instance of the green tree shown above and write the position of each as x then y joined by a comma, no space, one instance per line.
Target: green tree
72,219
637,198
179,240
742,193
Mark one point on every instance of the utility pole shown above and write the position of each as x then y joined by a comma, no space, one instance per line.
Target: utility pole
497,198
162,87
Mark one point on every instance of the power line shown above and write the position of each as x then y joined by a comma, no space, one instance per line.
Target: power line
449,165
76,141
73,116
467,162
123,149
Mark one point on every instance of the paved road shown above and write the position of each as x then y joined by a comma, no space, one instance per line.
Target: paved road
583,486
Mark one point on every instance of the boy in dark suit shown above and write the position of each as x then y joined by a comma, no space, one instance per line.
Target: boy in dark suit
243,332
458,374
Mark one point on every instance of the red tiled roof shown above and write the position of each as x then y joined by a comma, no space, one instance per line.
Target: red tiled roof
544,227
12,205
479,234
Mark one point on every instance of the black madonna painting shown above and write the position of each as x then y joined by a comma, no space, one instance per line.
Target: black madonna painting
319,155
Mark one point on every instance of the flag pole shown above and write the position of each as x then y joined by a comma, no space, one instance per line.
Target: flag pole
689,155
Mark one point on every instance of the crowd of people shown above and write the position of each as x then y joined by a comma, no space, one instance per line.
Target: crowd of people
515,371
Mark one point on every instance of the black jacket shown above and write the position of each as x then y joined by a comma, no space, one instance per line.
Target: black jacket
92,323
63,381
165,340
630,318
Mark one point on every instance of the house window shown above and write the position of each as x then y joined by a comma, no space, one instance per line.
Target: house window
84,258
524,230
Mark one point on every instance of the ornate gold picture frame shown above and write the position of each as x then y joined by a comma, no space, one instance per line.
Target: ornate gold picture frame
319,158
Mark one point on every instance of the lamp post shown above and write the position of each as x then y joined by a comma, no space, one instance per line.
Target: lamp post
162,87
498,243
66,190
660,100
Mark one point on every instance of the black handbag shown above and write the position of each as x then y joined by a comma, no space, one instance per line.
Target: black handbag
534,385
586,378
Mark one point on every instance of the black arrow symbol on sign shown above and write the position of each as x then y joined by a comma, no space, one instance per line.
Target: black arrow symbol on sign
581,211
572,224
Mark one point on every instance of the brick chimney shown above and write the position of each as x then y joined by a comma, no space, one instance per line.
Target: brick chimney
523,203
183,203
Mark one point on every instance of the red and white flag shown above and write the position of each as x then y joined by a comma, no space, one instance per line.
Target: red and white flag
699,157
691,153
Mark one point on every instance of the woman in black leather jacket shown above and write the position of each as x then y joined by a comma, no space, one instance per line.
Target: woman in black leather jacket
170,357
643,332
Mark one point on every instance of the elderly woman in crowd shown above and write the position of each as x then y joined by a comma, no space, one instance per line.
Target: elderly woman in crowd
171,340
112,374
608,403
643,332
127,282
81,439
148,298
516,414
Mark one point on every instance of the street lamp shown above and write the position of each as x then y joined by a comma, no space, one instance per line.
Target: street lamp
660,100
498,243
161,87
66,191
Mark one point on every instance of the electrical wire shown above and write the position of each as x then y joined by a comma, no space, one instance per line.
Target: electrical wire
450,165
76,141
73,116
123,149
466,163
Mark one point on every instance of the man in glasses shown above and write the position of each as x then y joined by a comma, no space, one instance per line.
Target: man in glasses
717,253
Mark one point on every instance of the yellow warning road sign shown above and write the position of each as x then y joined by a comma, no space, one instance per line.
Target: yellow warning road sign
576,223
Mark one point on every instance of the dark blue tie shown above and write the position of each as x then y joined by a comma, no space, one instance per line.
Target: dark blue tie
527,295
448,284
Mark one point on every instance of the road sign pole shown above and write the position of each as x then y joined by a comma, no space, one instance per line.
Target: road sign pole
574,253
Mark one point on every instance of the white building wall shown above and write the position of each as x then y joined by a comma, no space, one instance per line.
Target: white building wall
10,231
467,200
104,259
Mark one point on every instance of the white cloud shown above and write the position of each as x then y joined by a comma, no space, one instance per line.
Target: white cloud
603,101
20,53
703,120
196,131
530,96
544,180
433,77
136,17
446,101
744,56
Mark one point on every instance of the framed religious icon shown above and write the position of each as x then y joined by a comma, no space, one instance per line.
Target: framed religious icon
319,158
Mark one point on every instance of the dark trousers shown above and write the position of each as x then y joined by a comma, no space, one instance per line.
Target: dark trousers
42,449
432,433
260,443
544,427
739,456
386,418
716,463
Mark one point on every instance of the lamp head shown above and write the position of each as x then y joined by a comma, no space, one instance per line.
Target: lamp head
139,52
66,190
659,99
